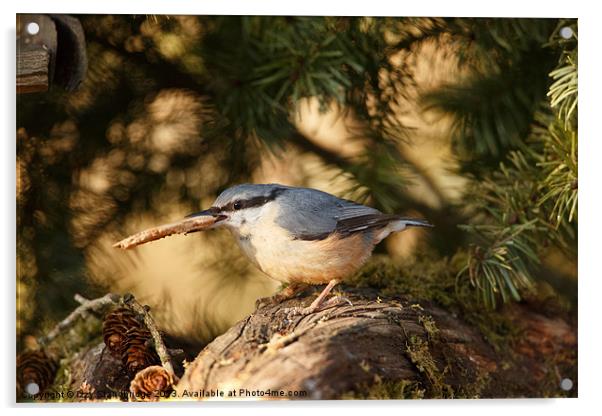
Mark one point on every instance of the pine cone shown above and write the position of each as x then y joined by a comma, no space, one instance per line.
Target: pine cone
116,324
35,367
150,383
138,351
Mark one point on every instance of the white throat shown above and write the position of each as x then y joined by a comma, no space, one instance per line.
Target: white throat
245,221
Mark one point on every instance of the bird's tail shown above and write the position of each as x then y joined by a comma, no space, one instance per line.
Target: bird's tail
414,222
397,223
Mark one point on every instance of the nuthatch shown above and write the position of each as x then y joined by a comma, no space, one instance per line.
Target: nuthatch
301,235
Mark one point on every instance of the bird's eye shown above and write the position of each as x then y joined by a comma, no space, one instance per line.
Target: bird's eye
237,205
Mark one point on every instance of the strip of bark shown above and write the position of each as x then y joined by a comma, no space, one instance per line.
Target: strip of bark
185,226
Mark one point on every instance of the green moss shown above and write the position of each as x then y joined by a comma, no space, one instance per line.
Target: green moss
435,362
387,390
82,335
434,280
62,382
475,389
418,352
429,326
421,278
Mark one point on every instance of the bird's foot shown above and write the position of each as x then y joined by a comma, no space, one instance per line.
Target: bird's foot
317,304
336,301
313,308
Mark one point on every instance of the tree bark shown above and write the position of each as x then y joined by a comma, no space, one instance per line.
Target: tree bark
377,348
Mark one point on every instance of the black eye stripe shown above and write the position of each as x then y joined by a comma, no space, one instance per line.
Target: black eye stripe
251,202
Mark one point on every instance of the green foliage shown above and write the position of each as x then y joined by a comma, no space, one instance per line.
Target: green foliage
496,119
502,258
493,105
277,62
558,188
563,92
380,175
500,267
530,203
258,86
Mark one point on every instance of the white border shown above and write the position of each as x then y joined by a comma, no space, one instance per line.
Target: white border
590,206
507,8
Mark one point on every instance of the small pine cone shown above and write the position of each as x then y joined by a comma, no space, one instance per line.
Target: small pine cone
116,324
150,382
138,351
35,367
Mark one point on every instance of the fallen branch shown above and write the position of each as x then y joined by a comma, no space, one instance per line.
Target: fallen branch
143,311
109,299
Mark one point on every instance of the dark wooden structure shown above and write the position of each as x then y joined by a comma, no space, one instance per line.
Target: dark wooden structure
51,50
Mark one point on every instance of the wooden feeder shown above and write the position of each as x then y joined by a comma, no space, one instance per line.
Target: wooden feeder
51,50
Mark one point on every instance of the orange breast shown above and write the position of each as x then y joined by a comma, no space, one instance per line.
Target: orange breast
314,262
274,250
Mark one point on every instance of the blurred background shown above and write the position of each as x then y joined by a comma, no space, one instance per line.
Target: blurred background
470,123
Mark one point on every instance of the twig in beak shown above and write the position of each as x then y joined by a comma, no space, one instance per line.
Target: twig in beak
185,226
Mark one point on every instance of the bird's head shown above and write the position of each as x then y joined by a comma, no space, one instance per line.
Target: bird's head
241,204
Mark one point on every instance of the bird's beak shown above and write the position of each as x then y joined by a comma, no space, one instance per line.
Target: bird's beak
212,212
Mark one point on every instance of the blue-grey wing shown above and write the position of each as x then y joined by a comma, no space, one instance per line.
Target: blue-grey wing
313,215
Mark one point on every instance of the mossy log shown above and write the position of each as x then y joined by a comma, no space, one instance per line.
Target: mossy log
379,348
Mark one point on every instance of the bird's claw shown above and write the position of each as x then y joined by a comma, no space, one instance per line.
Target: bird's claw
330,303
336,301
